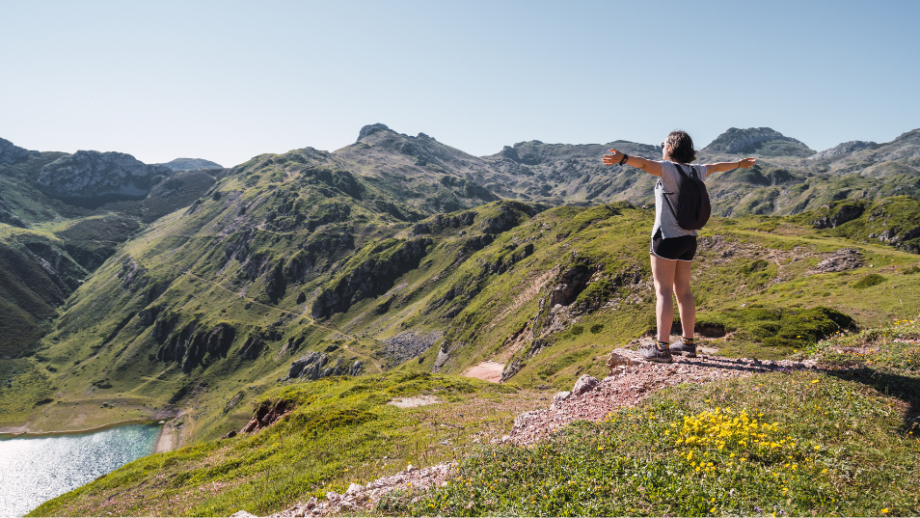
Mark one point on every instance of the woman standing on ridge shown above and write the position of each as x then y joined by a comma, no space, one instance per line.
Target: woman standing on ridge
673,246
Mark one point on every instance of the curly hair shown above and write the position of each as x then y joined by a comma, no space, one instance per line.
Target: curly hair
681,147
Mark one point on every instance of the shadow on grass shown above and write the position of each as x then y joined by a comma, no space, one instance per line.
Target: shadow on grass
905,388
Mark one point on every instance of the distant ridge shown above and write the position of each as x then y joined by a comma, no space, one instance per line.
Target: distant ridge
191,164
760,141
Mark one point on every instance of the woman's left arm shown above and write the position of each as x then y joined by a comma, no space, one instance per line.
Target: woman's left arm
744,163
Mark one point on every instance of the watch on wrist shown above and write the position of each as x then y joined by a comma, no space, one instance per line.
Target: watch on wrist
624,159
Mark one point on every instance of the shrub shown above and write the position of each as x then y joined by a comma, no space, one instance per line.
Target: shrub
873,279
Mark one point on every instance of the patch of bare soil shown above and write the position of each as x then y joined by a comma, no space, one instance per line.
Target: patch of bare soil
488,371
411,402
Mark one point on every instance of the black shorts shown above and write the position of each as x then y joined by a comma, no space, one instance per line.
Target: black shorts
675,248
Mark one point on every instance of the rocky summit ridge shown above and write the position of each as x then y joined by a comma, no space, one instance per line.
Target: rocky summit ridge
755,140
11,153
93,174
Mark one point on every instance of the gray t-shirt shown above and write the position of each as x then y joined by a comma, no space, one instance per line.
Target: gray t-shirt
664,217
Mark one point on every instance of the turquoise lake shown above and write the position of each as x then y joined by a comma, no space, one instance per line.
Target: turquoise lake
33,470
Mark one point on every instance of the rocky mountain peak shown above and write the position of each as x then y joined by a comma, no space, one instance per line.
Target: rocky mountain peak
370,129
92,174
11,153
844,148
752,140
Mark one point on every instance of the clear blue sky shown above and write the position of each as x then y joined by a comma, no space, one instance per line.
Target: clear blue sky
229,80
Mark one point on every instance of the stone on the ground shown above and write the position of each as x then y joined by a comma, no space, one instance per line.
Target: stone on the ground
586,383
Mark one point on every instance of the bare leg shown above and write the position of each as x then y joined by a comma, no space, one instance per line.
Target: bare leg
685,302
663,272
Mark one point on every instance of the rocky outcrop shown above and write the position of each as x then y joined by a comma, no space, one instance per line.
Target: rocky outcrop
569,284
6,214
91,175
839,261
586,383
372,277
193,343
440,222
408,345
370,129
362,500
504,263
843,149
509,215
11,154
844,213
313,366
267,414
63,271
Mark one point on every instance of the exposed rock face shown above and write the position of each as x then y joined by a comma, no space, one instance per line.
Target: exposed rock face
312,366
511,369
844,213
570,284
11,154
91,174
372,277
584,384
440,221
508,217
7,216
843,149
268,414
737,141
189,346
370,129
191,164
409,344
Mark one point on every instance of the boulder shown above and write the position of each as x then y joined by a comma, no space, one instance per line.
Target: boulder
584,384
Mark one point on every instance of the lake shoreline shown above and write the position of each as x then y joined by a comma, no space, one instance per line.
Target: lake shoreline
100,428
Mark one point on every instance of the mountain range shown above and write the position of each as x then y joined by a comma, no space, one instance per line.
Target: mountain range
165,291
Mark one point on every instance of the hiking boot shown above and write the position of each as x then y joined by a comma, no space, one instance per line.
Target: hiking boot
653,353
682,347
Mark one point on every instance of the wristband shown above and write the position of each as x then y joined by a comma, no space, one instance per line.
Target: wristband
624,159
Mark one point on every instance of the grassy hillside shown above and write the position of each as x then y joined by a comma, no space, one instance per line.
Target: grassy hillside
210,307
831,442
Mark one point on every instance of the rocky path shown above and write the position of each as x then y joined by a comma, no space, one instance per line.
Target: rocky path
631,380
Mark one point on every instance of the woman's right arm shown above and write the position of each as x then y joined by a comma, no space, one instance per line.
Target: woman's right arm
649,166
744,163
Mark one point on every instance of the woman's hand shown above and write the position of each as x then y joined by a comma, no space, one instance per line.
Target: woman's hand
613,159
746,163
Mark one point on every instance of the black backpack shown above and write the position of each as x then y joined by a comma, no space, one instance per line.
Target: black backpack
693,208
